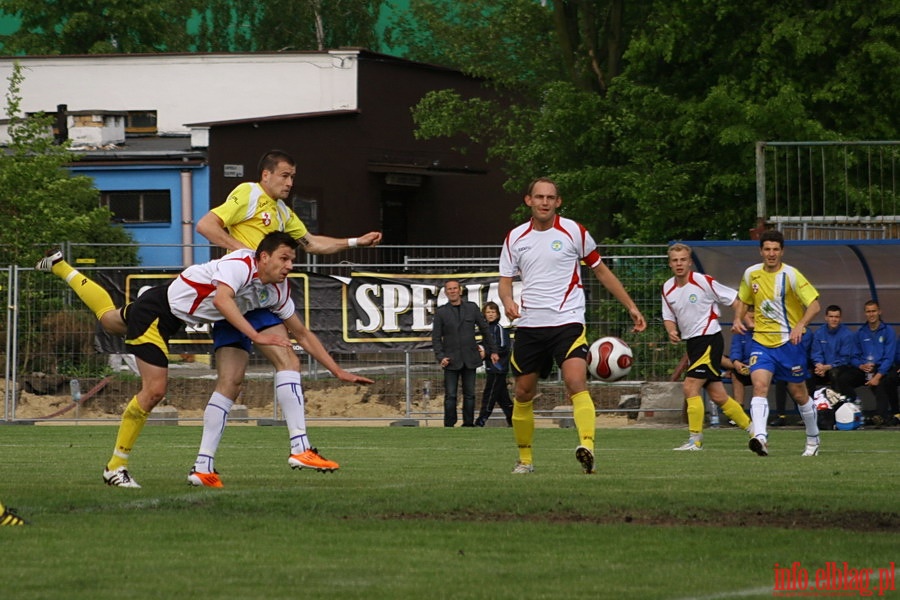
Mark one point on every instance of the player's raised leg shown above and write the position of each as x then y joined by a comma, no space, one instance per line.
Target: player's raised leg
93,295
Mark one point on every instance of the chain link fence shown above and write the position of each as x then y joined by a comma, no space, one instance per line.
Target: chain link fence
52,342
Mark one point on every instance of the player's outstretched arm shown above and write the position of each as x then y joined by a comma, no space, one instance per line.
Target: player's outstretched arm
323,244
615,287
310,342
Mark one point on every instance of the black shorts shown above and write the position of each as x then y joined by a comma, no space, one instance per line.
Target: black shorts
705,357
740,378
536,348
150,325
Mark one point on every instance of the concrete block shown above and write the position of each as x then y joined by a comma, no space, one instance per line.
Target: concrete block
629,403
405,423
163,415
239,413
495,421
662,403
562,416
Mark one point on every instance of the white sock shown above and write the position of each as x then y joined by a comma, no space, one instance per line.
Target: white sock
759,415
214,418
289,394
810,420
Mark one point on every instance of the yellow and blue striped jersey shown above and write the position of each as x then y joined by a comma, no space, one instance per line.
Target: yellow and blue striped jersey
779,300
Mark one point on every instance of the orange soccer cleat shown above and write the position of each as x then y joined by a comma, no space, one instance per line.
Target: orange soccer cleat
311,459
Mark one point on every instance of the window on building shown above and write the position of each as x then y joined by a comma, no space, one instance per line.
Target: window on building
140,122
139,206
305,202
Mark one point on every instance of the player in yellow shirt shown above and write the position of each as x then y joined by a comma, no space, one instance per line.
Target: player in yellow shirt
250,212
784,303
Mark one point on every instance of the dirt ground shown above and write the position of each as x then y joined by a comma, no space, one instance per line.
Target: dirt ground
47,397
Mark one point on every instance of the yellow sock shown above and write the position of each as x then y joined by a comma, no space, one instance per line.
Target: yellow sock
585,418
94,296
734,412
695,414
133,420
523,429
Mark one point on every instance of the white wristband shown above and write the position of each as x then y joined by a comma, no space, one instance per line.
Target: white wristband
353,242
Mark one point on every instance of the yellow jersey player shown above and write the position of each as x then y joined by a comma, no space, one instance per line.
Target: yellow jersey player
784,303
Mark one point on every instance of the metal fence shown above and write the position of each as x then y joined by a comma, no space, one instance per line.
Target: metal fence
50,341
830,190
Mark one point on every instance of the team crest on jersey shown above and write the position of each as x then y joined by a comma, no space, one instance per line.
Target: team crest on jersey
755,288
692,298
556,245
263,295
266,218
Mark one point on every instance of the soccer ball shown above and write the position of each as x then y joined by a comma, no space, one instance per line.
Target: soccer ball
609,359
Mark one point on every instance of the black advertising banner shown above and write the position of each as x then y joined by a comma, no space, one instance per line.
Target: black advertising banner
366,312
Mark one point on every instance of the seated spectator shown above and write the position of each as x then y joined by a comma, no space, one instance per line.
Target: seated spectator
888,402
737,361
877,348
832,352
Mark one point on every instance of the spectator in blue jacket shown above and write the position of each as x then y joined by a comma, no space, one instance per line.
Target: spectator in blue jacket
877,347
888,403
833,351
738,361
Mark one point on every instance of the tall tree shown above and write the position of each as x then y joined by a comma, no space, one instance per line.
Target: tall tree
41,203
241,25
97,26
664,150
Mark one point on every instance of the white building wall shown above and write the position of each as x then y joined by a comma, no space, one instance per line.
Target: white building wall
190,88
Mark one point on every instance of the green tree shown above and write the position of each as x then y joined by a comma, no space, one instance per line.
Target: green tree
97,26
511,42
664,150
42,203
241,25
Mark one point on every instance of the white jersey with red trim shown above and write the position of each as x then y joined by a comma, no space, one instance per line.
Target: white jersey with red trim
693,306
549,265
191,294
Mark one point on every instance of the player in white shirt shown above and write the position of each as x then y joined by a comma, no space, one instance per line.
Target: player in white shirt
221,289
689,308
546,253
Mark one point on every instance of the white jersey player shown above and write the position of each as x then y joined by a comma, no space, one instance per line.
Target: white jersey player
690,313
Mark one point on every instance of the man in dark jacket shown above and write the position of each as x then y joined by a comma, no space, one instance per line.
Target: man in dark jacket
455,348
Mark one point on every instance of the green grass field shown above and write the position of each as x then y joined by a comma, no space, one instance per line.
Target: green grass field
436,513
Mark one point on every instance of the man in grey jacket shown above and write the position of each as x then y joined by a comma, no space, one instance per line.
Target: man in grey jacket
455,348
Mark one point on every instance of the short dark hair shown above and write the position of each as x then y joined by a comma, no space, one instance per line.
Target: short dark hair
273,240
490,304
771,235
541,180
270,160
833,308
872,303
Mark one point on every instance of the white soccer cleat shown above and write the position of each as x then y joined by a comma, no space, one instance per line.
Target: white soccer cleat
811,450
759,445
689,446
119,478
51,258
523,469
